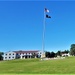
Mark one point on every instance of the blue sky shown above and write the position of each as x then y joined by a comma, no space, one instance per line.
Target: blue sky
21,25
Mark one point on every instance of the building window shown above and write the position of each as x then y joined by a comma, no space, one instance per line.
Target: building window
5,54
12,57
9,57
5,57
40,52
17,54
40,55
9,54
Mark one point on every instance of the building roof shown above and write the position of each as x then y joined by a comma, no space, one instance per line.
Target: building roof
20,51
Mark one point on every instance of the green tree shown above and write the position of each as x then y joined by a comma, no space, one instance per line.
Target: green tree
65,51
59,53
52,54
72,50
1,57
47,54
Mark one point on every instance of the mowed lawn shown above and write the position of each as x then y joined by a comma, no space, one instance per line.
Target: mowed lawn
36,66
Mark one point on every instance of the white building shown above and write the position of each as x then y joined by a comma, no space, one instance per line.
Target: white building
65,54
9,55
21,54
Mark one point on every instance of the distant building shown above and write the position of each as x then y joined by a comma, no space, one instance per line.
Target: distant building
9,55
65,54
22,54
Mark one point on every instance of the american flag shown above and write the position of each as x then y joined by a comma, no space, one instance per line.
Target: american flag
46,10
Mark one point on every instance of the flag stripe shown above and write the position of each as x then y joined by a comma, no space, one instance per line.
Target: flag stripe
46,10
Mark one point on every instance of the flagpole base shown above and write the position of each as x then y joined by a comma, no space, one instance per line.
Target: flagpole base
43,55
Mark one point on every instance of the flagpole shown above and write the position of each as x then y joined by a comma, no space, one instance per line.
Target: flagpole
43,38
44,29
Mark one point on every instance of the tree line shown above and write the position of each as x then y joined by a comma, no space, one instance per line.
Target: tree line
59,53
53,54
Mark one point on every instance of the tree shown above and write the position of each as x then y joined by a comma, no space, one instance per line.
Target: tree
1,57
52,54
59,53
72,50
47,54
66,51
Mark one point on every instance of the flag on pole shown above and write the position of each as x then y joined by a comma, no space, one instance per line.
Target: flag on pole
47,16
46,10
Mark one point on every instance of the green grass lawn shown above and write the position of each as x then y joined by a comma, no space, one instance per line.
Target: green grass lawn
36,66
37,74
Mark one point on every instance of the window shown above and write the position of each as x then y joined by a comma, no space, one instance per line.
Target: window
17,54
12,57
40,55
5,54
9,57
5,57
9,54
40,52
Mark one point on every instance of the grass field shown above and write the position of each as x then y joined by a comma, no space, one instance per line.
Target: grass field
37,74
36,66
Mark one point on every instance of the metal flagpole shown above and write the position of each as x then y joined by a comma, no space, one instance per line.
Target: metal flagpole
43,38
44,28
